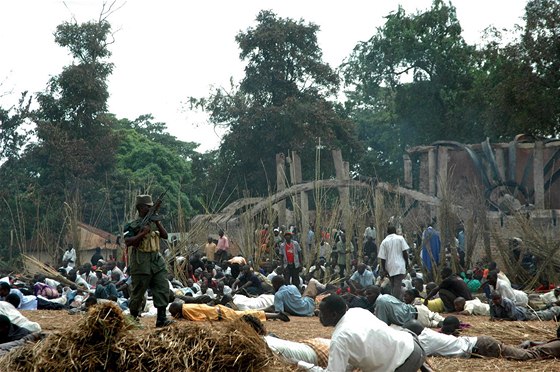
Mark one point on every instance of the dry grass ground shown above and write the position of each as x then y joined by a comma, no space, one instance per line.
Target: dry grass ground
303,328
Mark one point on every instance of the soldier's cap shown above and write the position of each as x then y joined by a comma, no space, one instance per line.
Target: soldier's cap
144,199
287,233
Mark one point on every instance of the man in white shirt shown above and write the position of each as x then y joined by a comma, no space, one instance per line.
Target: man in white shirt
504,288
9,310
393,253
26,302
69,257
472,307
278,271
360,340
446,345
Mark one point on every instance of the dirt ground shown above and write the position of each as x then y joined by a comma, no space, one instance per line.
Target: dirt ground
302,328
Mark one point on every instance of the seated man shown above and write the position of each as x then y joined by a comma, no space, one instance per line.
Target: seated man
248,283
361,279
9,309
317,271
201,312
472,307
473,283
288,298
451,287
389,309
360,340
106,289
278,271
446,345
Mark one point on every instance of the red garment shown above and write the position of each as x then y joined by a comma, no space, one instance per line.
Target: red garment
290,252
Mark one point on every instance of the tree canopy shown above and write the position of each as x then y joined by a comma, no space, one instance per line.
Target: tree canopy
282,104
415,81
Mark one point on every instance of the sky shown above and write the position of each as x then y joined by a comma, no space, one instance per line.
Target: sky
169,50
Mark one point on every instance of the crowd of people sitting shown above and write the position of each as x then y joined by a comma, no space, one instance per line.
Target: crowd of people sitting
384,310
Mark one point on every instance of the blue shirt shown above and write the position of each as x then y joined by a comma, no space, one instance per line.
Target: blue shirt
507,310
365,279
288,299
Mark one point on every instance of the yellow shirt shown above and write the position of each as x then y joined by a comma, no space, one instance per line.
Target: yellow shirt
210,249
201,312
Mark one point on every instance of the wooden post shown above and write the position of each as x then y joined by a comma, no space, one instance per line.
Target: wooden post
407,171
432,173
281,186
501,162
342,173
538,175
443,158
297,179
424,176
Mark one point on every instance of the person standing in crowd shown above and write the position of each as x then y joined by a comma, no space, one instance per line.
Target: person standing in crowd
222,248
146,264
210,249
96,257
393,253
292,259
69,258
431,246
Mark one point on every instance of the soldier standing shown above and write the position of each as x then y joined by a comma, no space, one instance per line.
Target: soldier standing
146,265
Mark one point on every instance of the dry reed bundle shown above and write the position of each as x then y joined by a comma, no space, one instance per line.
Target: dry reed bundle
231,346
101,341
34,266
87,346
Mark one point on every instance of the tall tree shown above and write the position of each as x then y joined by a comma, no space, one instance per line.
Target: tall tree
281,104
519,87
12,136
75,140
410,83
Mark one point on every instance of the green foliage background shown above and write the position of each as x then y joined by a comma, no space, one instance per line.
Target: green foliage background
415,81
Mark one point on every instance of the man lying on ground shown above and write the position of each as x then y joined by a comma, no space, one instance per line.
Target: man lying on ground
12,336
502,308
544,300
201,312
447,345
262,302
360,340
9,309
314,351
472,307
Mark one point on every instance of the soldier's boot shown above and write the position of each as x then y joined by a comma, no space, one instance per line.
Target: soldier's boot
162,320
